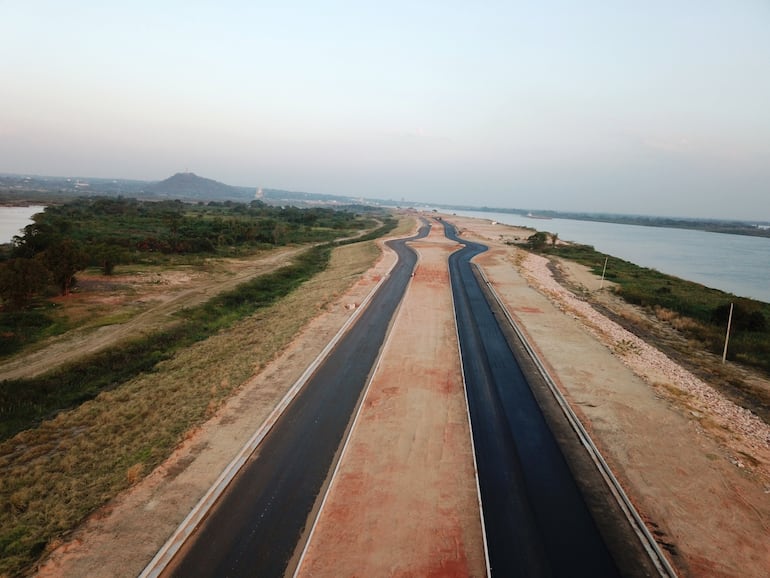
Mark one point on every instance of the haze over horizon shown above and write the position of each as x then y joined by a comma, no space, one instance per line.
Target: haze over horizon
657,108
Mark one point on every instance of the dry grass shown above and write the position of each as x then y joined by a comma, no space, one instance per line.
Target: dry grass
677,321
406,226
626,346
55,475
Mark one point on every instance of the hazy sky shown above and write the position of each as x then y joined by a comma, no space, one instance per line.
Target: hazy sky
654,107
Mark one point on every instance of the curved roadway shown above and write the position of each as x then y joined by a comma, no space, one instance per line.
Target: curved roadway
260,519
536,521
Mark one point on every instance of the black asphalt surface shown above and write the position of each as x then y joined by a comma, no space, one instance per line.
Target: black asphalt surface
537,523
257,524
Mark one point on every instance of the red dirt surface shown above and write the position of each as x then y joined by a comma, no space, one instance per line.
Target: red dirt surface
404,501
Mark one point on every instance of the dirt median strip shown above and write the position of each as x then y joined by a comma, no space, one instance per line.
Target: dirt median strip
404,501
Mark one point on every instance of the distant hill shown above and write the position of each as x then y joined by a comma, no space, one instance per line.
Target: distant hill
185,186
189,186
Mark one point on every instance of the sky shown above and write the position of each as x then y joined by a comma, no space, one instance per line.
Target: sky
659,107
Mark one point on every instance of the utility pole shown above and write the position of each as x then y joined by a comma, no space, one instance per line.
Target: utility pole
601,286
727,335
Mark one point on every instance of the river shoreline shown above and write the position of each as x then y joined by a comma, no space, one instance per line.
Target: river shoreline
737,265
13,219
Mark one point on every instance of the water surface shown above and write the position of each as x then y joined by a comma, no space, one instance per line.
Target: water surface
736,264
14,219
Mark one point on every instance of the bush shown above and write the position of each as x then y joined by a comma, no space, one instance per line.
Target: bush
538,240
746,316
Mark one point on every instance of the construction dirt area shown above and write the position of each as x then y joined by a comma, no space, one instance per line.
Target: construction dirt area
404,500
154,298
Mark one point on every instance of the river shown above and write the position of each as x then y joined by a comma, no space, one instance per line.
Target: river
14,219
736,264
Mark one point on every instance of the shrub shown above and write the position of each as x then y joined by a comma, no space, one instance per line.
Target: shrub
538,240
746,316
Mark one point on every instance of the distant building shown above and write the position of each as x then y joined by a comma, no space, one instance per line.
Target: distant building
259,194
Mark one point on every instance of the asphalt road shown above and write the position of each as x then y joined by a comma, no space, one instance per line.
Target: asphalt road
536,521
260,519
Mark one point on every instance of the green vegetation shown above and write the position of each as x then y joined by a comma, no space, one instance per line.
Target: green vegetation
537,240
699,312
117,414
105,232
133,231
52,251
388,224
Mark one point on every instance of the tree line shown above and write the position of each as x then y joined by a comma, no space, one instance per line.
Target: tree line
104,232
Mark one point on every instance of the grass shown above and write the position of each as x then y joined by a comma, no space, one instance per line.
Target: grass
388,225
404,227
21,328
57,473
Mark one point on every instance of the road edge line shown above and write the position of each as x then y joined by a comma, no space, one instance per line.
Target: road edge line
470,429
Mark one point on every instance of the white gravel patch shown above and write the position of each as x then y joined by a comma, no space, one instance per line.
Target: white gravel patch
748,430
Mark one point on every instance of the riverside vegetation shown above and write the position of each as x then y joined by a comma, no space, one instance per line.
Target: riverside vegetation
128,406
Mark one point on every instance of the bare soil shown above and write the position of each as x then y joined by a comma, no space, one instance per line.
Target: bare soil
695,464
108,309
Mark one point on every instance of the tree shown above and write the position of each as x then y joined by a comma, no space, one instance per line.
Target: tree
538,240
279,232
20,280
107,256
36,238
63,259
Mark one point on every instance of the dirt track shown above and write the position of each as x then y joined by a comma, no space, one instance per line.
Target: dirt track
151,300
